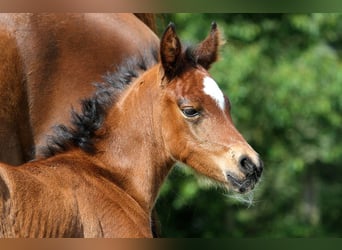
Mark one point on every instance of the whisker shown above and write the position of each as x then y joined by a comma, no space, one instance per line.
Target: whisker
247,199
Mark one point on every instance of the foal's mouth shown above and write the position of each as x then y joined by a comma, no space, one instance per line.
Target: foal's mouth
242,185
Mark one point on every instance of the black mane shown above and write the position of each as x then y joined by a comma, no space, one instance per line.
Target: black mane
85,123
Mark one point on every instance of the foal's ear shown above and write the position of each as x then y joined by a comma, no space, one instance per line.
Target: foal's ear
170,51
207,51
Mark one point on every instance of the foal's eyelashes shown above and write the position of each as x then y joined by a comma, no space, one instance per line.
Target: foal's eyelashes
189,109
190,112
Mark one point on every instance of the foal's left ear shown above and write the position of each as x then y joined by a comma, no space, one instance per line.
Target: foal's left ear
207,51
170,51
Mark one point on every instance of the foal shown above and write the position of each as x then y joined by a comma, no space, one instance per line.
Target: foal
104,173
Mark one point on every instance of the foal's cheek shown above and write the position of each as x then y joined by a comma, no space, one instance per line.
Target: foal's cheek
174,132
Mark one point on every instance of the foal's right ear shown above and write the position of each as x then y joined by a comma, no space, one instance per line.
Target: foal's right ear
170,51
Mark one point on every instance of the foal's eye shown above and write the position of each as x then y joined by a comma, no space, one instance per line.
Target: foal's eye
190,112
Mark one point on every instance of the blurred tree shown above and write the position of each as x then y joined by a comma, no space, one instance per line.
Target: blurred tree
283,75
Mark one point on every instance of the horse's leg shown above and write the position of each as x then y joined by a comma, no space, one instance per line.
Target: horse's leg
15,133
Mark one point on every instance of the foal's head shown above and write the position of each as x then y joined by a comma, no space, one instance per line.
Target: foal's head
197,128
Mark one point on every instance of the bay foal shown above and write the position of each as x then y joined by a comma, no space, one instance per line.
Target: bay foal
101,176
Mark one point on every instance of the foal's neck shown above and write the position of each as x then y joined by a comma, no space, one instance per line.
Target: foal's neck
132,147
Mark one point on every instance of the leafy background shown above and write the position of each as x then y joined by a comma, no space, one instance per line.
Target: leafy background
283,75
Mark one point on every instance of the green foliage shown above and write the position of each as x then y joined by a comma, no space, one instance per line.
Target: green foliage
283,75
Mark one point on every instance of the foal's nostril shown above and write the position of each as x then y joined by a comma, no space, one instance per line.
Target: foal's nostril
246,164
249,167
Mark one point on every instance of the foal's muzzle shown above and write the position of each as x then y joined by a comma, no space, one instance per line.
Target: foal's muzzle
252,172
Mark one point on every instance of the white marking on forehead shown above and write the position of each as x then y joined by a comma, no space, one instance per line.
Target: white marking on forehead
212,89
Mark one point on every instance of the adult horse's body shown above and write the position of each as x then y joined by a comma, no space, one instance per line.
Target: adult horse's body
48,62
102,175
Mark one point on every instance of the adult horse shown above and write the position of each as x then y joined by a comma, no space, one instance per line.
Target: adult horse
48,62
101,176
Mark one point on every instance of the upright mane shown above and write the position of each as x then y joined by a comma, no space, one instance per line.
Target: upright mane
85,123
